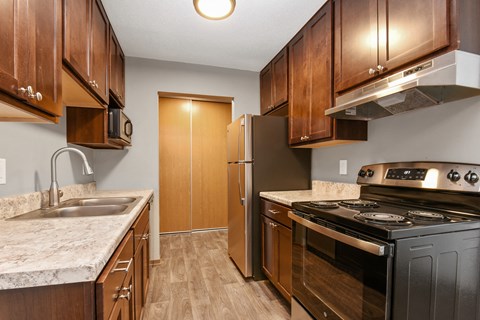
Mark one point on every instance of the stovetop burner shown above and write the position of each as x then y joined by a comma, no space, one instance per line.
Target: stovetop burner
324,204
426,215
359,203
382,218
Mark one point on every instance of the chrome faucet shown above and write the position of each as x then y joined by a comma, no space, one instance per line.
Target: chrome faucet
54,193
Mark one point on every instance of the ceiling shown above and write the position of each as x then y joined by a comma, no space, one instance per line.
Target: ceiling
171,30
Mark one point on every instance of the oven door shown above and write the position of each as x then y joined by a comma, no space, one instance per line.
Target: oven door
338,274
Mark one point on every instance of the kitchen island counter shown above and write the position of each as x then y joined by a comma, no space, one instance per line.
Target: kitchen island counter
52,251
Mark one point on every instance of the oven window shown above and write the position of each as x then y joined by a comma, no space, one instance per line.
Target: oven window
349,283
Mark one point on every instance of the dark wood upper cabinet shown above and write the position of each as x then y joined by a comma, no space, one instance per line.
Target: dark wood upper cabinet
356,43
117,70
13,49
30,68
374,38
76,36
310,85
310,79
86,39
274,83
99,53
266,89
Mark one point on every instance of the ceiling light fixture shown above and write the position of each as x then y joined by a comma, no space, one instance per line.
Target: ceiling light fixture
214,9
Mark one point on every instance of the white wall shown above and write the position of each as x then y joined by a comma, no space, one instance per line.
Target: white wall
137,167
449,132
28,148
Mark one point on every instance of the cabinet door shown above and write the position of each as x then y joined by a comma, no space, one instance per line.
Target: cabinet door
146,264
280,78
99,53
76,36
266,89
319,33
44,64
117,70
284,267
299,87
411,29
268,249
13,43
356,44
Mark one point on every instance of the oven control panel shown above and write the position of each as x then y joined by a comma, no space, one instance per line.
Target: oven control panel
406,174
425,175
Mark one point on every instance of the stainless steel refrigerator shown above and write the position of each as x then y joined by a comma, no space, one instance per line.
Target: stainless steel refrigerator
259,159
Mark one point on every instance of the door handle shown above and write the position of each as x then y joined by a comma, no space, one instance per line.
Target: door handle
242,198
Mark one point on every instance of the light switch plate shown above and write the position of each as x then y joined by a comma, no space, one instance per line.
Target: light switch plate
343,167
3,171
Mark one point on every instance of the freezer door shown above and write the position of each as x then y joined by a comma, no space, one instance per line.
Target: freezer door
239,137
240,216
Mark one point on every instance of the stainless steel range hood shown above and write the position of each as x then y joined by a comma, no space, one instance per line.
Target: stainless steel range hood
452,76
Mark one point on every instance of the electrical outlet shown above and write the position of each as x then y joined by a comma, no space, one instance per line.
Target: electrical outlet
343,167
3,171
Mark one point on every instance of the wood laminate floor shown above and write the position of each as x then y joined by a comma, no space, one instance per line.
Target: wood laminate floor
197,280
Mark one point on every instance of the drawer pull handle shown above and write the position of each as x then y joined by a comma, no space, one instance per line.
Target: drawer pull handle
125,296
273,211
127,262
145,236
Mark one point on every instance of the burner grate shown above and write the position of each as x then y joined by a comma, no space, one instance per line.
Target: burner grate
426,215
359,203
382,218
324,204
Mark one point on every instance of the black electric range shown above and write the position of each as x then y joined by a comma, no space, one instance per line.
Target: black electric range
407,248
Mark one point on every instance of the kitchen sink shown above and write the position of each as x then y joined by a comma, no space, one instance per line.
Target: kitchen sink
99,201
84,207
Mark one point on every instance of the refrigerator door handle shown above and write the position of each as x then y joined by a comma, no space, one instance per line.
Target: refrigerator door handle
242,129
242,198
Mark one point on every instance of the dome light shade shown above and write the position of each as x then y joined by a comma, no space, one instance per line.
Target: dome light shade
214,9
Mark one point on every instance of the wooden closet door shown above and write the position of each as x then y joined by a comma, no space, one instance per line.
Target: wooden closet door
174,157
209,164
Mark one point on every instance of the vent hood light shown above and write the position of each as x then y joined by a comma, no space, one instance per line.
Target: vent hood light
214,9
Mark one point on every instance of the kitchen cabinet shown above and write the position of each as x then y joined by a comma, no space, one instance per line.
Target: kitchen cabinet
141,230
88,127
30,68
117,70
114,286
85,44
277,246
310,87
374,37
274,83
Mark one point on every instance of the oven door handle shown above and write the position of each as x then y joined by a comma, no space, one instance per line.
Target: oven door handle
367,246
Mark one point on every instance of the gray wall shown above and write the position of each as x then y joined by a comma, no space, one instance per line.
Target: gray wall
28,148
137,167
449,132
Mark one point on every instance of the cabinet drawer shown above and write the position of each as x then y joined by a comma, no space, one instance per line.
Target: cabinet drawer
112,278
139,226
276,212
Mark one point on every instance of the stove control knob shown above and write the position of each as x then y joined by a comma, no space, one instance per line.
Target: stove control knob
471,177
370,173
362,173
453,176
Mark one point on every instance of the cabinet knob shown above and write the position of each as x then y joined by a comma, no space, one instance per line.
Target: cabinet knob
372,71
380,68
145,236
126,296
38,96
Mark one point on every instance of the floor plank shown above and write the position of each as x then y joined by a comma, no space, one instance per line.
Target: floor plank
195,280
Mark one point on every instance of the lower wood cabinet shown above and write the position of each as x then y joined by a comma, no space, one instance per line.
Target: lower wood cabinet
277,247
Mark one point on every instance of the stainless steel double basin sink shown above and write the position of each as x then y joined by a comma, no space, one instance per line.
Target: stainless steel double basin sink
84,207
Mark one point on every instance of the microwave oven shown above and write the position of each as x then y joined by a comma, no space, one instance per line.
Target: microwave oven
120,128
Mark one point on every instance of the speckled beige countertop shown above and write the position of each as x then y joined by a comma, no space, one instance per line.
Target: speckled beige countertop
321,190
61,250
